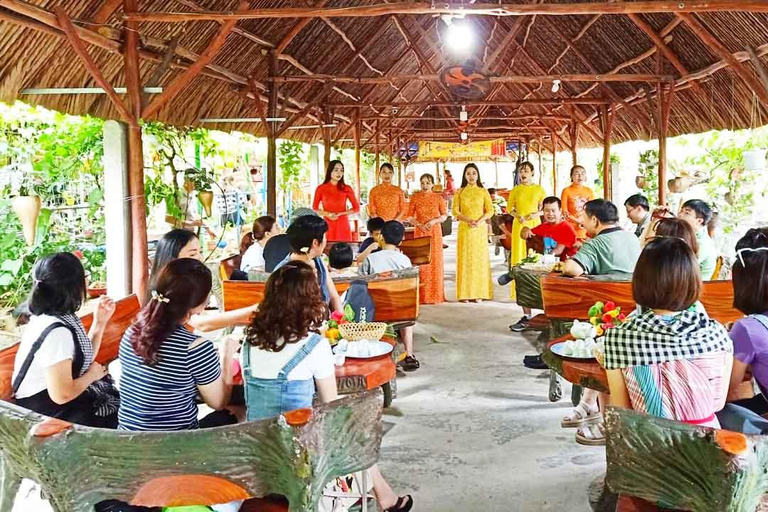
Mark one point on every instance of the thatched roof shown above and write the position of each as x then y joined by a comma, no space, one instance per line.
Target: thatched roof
34,53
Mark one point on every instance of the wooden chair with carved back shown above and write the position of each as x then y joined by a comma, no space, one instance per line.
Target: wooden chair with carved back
293,456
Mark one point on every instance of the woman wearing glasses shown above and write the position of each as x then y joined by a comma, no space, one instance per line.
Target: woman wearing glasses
750,334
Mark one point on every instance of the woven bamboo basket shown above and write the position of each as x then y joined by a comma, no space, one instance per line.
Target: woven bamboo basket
363,331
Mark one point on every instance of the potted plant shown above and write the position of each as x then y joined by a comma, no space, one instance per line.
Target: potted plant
202,181
27,206
95,265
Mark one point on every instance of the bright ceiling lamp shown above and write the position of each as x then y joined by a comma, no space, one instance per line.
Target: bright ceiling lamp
459,36
464,136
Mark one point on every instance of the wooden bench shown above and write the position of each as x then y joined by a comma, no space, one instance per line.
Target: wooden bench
201,467
418,250
658,464
396,298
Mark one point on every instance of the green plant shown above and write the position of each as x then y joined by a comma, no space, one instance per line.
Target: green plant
648,170
600,182
95,264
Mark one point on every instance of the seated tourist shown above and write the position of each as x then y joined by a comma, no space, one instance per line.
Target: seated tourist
675,228
697,213
285,361
554,227
164,365
369,245
307,237
669,358
279,246
749,335
252,248
180,243
55,367
340,259
638,211
390,258
609,250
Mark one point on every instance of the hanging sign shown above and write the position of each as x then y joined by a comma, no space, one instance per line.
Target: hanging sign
429,150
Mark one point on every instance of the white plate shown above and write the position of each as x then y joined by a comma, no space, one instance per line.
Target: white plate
376,349
559,349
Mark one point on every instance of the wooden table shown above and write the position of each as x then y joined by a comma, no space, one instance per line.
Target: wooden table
587,374
528,287
357,375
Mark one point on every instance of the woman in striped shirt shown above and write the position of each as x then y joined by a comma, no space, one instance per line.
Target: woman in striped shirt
164,365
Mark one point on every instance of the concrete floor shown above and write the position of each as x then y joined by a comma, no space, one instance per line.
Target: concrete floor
473,429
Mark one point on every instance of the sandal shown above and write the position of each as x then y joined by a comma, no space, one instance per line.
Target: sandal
403,504
592,434
580,415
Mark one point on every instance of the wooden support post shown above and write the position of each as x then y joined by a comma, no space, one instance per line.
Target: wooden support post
664,103
356,136
271,139
608,114
327,137
554,162
378,156
139,249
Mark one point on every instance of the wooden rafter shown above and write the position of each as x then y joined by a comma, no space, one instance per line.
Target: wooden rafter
518,79
172,89
759,68
106,10
77,45
292,120
297,27
578,36
351,45
192,4
716,46
543,9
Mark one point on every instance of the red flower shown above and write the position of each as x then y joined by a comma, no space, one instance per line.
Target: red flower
622,317
78,254
609,306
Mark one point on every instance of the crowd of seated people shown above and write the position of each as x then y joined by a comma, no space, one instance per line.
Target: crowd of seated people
166,368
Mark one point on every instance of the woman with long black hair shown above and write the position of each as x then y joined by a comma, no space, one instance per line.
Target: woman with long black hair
331,201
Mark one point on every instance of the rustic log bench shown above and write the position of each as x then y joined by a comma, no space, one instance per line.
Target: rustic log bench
294,455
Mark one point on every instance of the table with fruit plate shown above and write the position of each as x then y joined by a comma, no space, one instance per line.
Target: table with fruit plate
357,375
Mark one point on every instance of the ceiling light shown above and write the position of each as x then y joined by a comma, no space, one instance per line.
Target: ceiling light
555,85
463,115
463,135
459,37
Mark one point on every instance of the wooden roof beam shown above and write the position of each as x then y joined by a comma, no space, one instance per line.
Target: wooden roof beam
484,118
717,47
416,8
90,65
192,4
298,27
106,10
351,45
581,33
180,82
519,79
478,103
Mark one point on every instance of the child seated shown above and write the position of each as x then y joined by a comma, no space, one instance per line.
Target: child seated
369,245
387,259
340,258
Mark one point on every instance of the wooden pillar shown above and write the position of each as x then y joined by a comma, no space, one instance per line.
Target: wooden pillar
327,137
538,146
357,154
139,250
608,113
117,209
574,130
271,140
554,163
378,156
664,104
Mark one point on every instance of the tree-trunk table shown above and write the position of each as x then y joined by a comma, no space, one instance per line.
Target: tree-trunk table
588,374
357,375
528,287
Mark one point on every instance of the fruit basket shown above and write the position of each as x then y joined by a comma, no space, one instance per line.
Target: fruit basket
362,331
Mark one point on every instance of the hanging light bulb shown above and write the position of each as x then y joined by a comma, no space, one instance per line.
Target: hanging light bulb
463,135
463,115
459,36
555,85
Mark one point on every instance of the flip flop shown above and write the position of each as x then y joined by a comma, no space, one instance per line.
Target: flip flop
403,504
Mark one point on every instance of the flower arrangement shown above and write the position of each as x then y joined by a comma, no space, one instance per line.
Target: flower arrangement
605,316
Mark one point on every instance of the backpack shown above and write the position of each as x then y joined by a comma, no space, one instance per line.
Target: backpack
360,301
